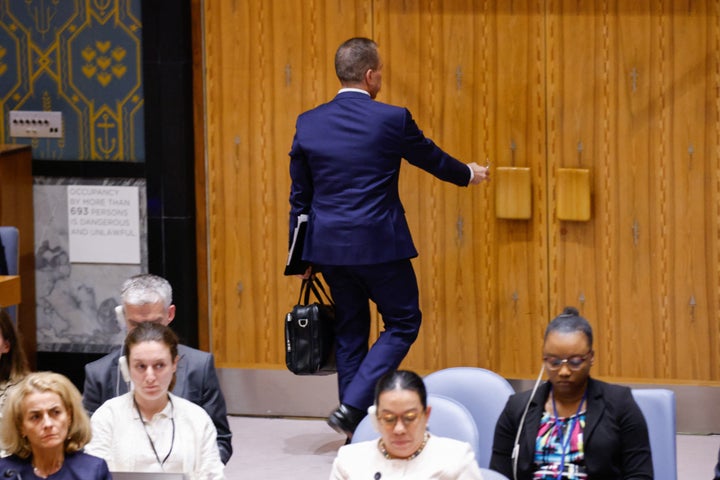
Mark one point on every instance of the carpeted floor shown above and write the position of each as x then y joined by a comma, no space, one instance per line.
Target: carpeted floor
303,449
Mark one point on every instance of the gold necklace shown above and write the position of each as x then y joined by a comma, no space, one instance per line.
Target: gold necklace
383,450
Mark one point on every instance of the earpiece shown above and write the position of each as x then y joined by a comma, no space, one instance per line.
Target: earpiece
122,361
124,369
120,315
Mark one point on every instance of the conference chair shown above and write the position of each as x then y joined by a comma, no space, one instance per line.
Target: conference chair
658,408
483,392
10,237
447,419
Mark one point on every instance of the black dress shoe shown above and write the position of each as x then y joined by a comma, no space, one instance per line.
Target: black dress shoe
345,419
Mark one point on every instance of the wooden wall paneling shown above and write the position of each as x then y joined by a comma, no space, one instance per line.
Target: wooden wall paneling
407,68
237,129
482,230
635,81
572,42
520,261
465,209
711,151
661,184
263,68
308,80
690,325
428,51
586,273
242,62
622,189
213,92
418,43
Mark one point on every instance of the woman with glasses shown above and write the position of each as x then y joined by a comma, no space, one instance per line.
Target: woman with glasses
405,448
572,426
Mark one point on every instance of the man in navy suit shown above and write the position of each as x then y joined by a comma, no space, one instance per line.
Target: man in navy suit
148,298
344,165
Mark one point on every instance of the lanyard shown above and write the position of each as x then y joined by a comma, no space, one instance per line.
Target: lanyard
152,444
565,440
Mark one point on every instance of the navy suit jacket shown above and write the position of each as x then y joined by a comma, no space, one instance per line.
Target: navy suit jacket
615,434
77,466
196,380
345,165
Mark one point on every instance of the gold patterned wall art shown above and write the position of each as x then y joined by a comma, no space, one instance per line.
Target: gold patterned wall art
82,59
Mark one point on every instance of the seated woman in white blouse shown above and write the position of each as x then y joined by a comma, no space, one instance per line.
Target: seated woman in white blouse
405,448
149,429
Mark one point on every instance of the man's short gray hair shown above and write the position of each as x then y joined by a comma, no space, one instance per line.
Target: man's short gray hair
146,288
355,57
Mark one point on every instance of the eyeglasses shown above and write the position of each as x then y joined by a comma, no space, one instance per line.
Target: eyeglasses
389,420
574,363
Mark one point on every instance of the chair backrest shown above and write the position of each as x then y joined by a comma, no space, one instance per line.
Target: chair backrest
10,237
658,408
483,392
448,418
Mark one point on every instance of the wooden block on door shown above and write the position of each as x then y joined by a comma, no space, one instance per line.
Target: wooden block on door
573,194
513,193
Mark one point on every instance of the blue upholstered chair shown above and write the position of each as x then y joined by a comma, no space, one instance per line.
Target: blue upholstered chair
10,237
658,407
483,392
447,419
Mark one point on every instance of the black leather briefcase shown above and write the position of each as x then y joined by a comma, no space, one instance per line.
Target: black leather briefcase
310,332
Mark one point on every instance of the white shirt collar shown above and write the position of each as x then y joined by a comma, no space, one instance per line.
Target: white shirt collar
348,89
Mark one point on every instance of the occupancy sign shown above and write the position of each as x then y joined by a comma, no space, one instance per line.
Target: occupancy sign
103,224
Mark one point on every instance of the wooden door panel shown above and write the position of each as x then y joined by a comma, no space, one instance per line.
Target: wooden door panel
266,63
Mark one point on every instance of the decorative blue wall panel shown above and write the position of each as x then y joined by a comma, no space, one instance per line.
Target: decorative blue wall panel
82,58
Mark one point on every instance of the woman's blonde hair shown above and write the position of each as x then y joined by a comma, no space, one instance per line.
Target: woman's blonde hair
11,437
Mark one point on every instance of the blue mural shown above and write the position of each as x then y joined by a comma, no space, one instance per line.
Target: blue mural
84,59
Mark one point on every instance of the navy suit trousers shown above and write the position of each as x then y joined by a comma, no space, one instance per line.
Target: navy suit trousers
393,288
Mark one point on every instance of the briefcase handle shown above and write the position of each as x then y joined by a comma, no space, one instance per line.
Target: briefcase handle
316,285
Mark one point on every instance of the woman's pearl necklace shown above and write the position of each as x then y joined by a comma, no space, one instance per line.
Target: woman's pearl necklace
38,473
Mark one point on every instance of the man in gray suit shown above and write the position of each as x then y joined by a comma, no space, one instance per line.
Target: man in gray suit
148,298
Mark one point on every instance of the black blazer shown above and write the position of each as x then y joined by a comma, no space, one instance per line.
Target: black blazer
615,435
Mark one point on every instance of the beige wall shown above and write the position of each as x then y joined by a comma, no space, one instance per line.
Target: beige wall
625,89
